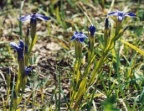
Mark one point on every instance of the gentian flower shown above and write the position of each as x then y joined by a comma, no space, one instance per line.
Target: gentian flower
33,21
33,17
28,70
19,49
121,15
79,36
92,30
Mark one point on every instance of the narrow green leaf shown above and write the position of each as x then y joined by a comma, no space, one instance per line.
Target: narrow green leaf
133,47
81,91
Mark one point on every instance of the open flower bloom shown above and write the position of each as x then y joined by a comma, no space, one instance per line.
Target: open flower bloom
33,21
121,15
79,36
33,17
19,49
92,30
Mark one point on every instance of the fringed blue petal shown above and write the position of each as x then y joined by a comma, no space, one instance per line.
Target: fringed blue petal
130,14
79,36
28,70
73,38
24,18
81,39
14,45
21,44
112,13
42,17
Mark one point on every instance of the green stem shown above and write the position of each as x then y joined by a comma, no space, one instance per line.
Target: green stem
91,48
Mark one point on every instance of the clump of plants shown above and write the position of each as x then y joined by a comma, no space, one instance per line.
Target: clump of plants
89,71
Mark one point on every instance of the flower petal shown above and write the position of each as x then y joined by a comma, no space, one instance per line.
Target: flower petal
120,18
14,45
84,36
113,13
21,44
130,14
73,38
28,70
42,17
79,36
81,39
24,18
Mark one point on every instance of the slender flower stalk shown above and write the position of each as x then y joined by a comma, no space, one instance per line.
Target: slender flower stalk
92,30
23,71
33,22
20,52
19,49
106,31
27,44
79,37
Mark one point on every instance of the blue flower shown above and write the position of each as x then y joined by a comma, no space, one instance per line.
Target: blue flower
79,36
106,23
33,17
19,49
121,15
92,30
28,70
33,21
